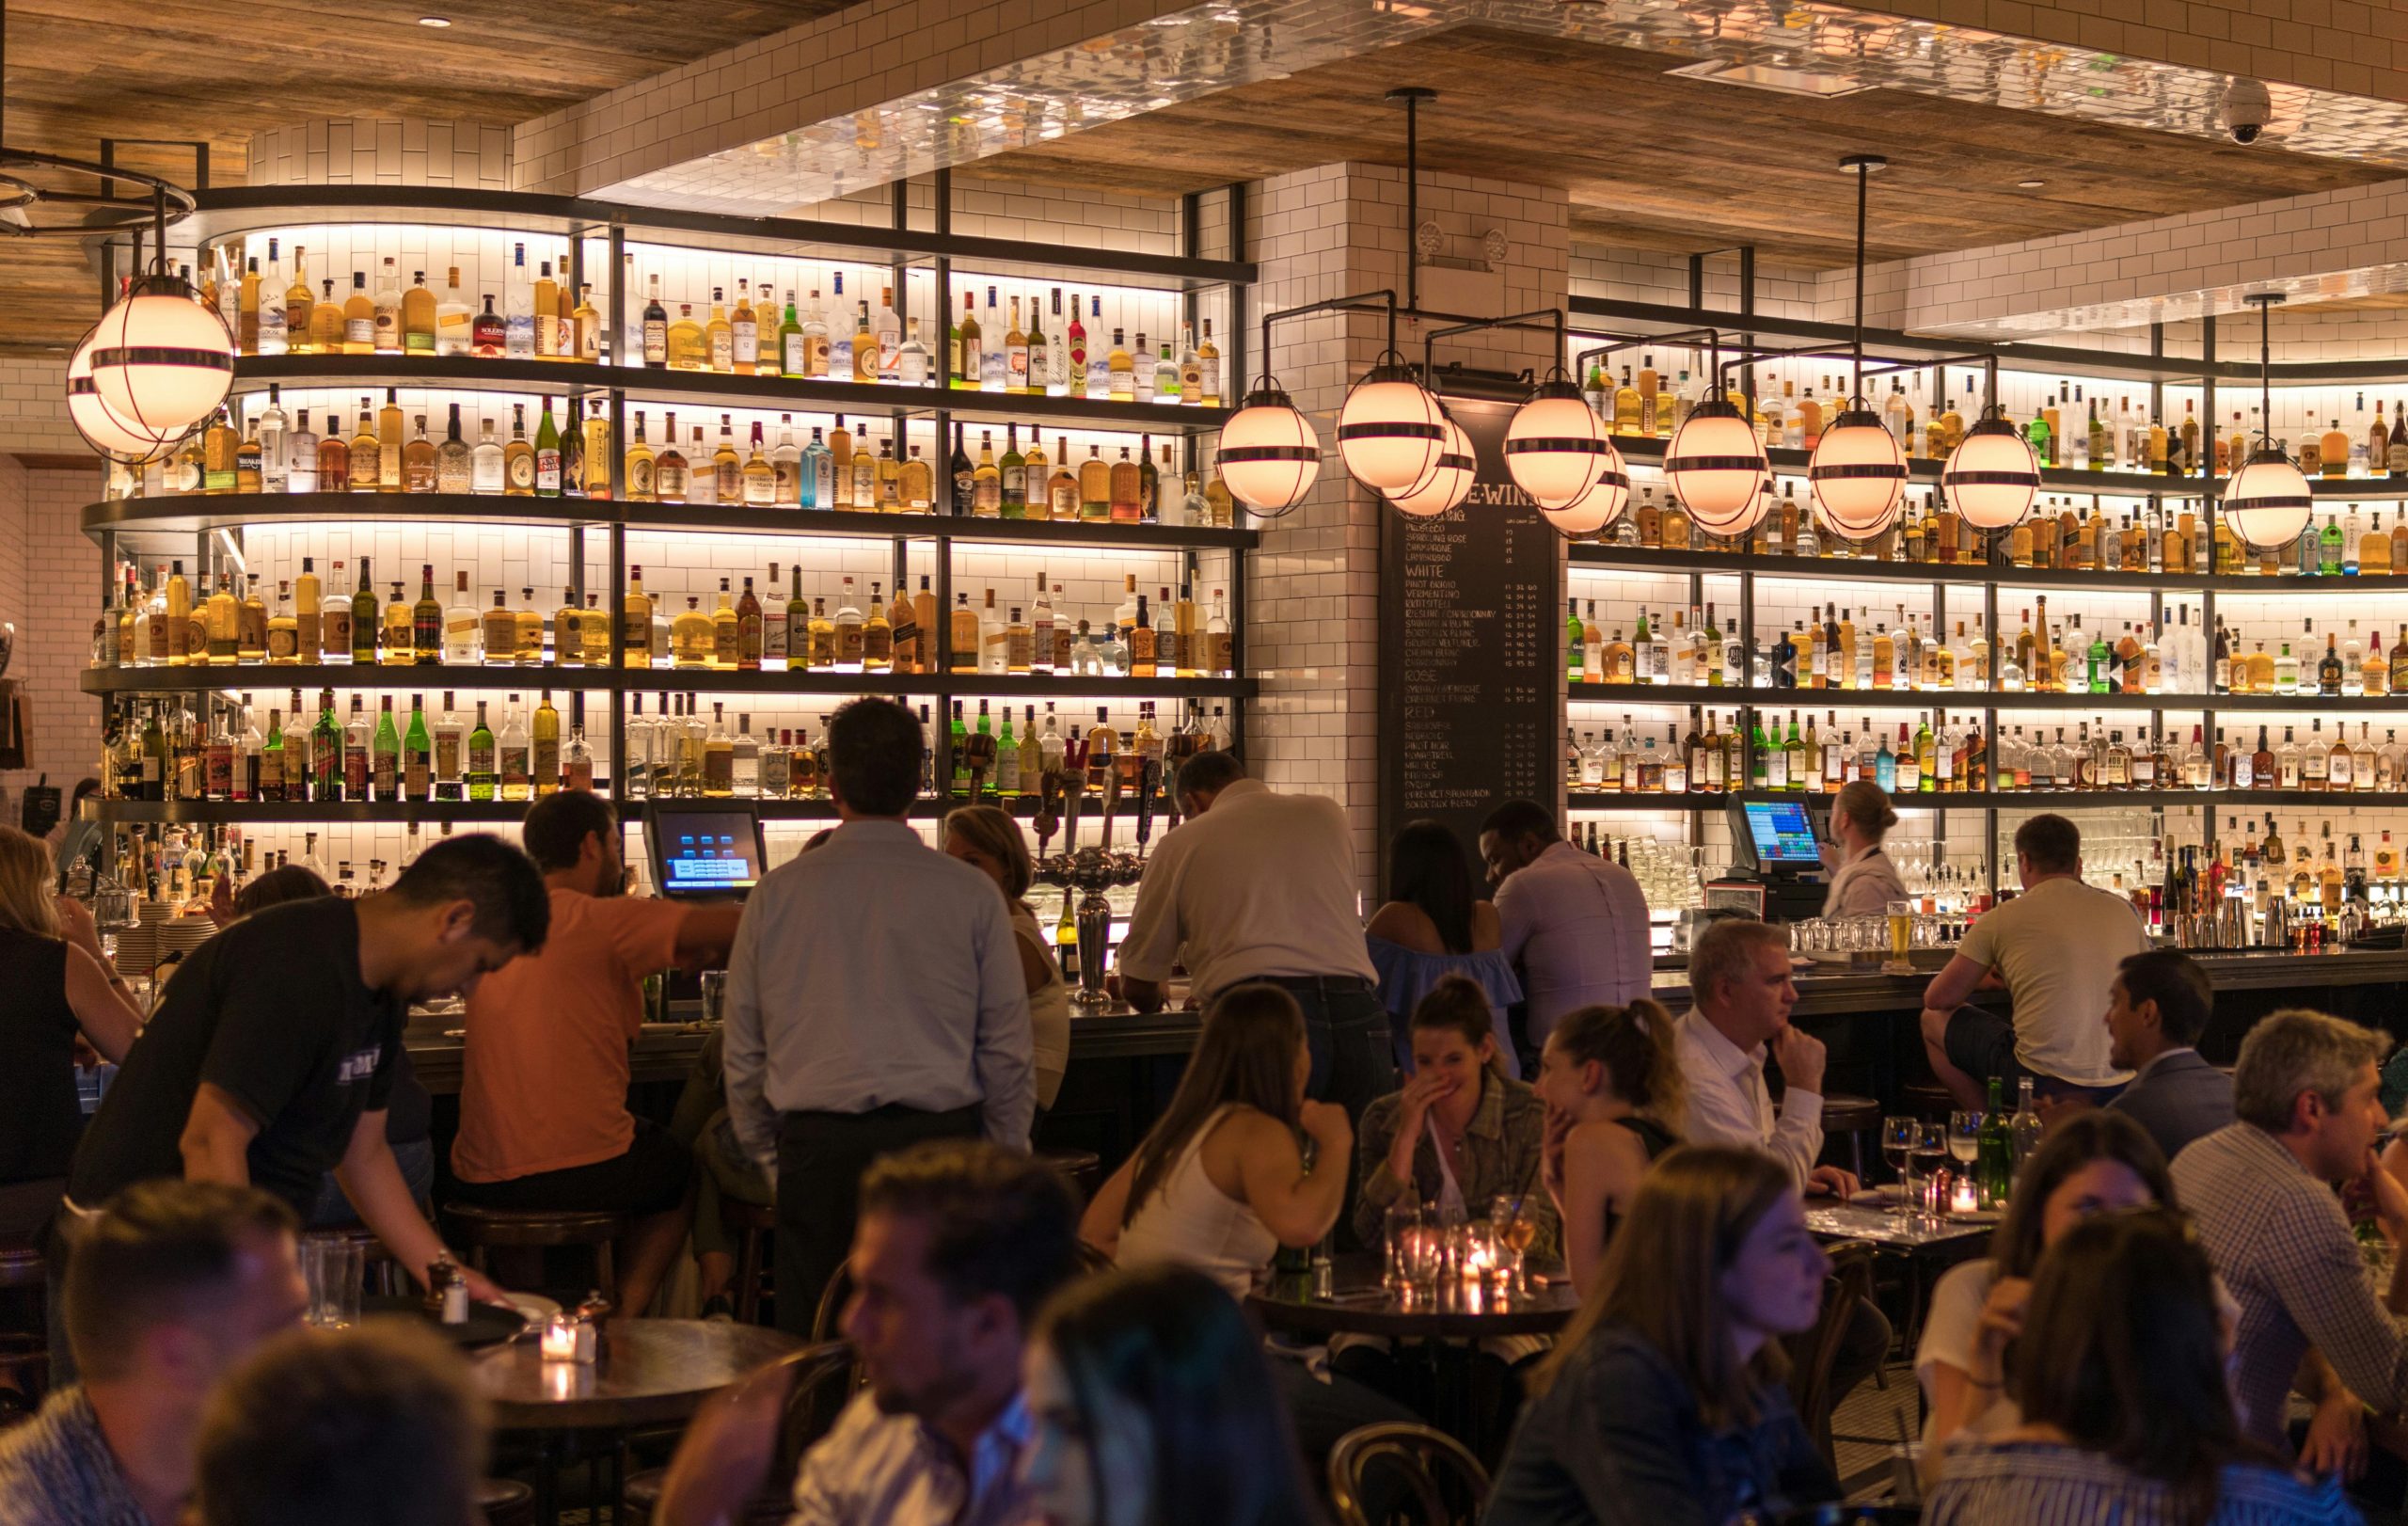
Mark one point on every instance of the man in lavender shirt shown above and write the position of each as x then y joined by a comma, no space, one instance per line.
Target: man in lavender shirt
1575,924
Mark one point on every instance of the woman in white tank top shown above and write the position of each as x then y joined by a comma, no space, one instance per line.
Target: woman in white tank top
1220,1183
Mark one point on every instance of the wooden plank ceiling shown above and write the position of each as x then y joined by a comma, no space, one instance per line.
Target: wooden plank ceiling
82,70
1657,161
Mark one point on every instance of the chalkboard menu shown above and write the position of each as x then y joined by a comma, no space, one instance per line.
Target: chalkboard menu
1470,698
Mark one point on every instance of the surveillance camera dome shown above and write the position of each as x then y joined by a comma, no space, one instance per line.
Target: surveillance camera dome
2247,106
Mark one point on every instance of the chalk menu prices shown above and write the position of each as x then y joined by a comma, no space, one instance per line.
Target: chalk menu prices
1469,697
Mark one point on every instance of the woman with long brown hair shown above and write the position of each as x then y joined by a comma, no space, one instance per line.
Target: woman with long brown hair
1664,1404
2126,1414
1610,1080
1220,1183
59,988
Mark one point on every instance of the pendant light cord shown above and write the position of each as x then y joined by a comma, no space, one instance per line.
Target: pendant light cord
2265,371
1863,172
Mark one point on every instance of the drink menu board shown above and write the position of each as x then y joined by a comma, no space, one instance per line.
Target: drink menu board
1469,678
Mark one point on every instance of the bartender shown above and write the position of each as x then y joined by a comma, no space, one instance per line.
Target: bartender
1864,882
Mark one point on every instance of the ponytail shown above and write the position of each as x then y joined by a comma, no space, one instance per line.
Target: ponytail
1634,1044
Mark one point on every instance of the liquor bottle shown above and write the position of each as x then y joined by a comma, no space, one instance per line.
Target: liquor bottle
544,753
487,471
547,454
515,755
1994,1150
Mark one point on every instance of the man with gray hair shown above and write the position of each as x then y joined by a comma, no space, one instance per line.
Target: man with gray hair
2261,1191
1740,995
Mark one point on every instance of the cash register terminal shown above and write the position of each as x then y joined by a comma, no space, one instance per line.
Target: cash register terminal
704,849
1774,850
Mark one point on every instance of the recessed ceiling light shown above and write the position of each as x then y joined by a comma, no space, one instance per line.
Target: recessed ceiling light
1771,77
2030,185
434,20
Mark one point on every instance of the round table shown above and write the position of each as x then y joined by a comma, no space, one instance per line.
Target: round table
650,1371
1443,1330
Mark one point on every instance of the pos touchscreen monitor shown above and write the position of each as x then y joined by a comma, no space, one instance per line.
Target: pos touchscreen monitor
1781,835
704,849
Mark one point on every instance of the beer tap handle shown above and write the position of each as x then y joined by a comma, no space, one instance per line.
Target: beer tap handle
1111,806
1049,809
1149,779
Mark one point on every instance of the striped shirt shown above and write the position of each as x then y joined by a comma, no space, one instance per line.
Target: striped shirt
2280,1239
2044,1484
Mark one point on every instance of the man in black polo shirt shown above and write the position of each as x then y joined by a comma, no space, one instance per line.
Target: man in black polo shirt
270,1055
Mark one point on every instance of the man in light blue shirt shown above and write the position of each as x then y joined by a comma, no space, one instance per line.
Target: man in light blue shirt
873,999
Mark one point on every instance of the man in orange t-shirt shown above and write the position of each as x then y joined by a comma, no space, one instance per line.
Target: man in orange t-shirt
544,1119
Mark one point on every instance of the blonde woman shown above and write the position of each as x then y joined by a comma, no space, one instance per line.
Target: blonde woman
990,841
1863,880
59,987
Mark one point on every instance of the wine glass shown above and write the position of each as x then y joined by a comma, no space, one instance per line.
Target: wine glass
1931,1148
1509,1217
1964,1140
1898,1135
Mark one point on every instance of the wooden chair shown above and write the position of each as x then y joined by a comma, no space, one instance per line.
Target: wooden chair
479,1230
753,1227
1401,1474
815,1385
1814,1352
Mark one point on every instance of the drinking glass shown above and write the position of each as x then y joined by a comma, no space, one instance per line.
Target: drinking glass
1898,1135
1964,1136
1401,1219
332,1268
1515,1227
1902,915
1425,1257
1931,1148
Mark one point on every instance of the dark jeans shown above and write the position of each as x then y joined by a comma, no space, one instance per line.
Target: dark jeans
1323,1412
416,1157
820,1160
1346,1029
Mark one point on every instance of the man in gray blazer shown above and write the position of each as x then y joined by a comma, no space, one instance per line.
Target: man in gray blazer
2157,1007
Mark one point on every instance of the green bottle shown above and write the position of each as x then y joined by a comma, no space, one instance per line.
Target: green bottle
273,768
1994,1150
1927,781
1012,471
482,778
385,753
2102,660
960,740
548,455
1759,770
364,622
790,356
2329,548
418,754
325,750
1576,641
986,735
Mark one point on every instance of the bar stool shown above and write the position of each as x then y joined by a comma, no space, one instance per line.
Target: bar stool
477,1229
506,1502
753,1224
1928,1100
1083,1169
1855,1117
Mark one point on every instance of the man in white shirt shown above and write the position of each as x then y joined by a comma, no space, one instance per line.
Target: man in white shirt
2057,948
873,999
1741,994
1575,924
959,1244
1262,886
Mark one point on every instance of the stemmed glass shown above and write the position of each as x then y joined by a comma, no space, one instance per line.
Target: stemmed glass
1898,1137
1515,1227
1964,1139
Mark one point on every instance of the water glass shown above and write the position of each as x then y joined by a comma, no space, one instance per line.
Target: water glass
713,996
1425,1258
333,1269
1898,1137
1401,1219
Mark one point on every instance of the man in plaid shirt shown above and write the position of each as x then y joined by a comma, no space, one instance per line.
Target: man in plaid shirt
2261,1191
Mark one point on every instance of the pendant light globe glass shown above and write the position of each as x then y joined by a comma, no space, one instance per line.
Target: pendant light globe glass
1554,445
1269,454
1447,482
1858,473
2268,503
1716,466
1601,505
1991,477
100,425
160,360
1391,428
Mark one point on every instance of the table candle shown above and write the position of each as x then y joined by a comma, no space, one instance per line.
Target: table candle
559,1339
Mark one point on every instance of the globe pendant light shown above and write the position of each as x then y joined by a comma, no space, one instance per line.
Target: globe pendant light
1449,481
1858,473
1716,466
1269,454
1555,444
100,425
1391,430
1991,477
1601,505
162,362
2268,503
